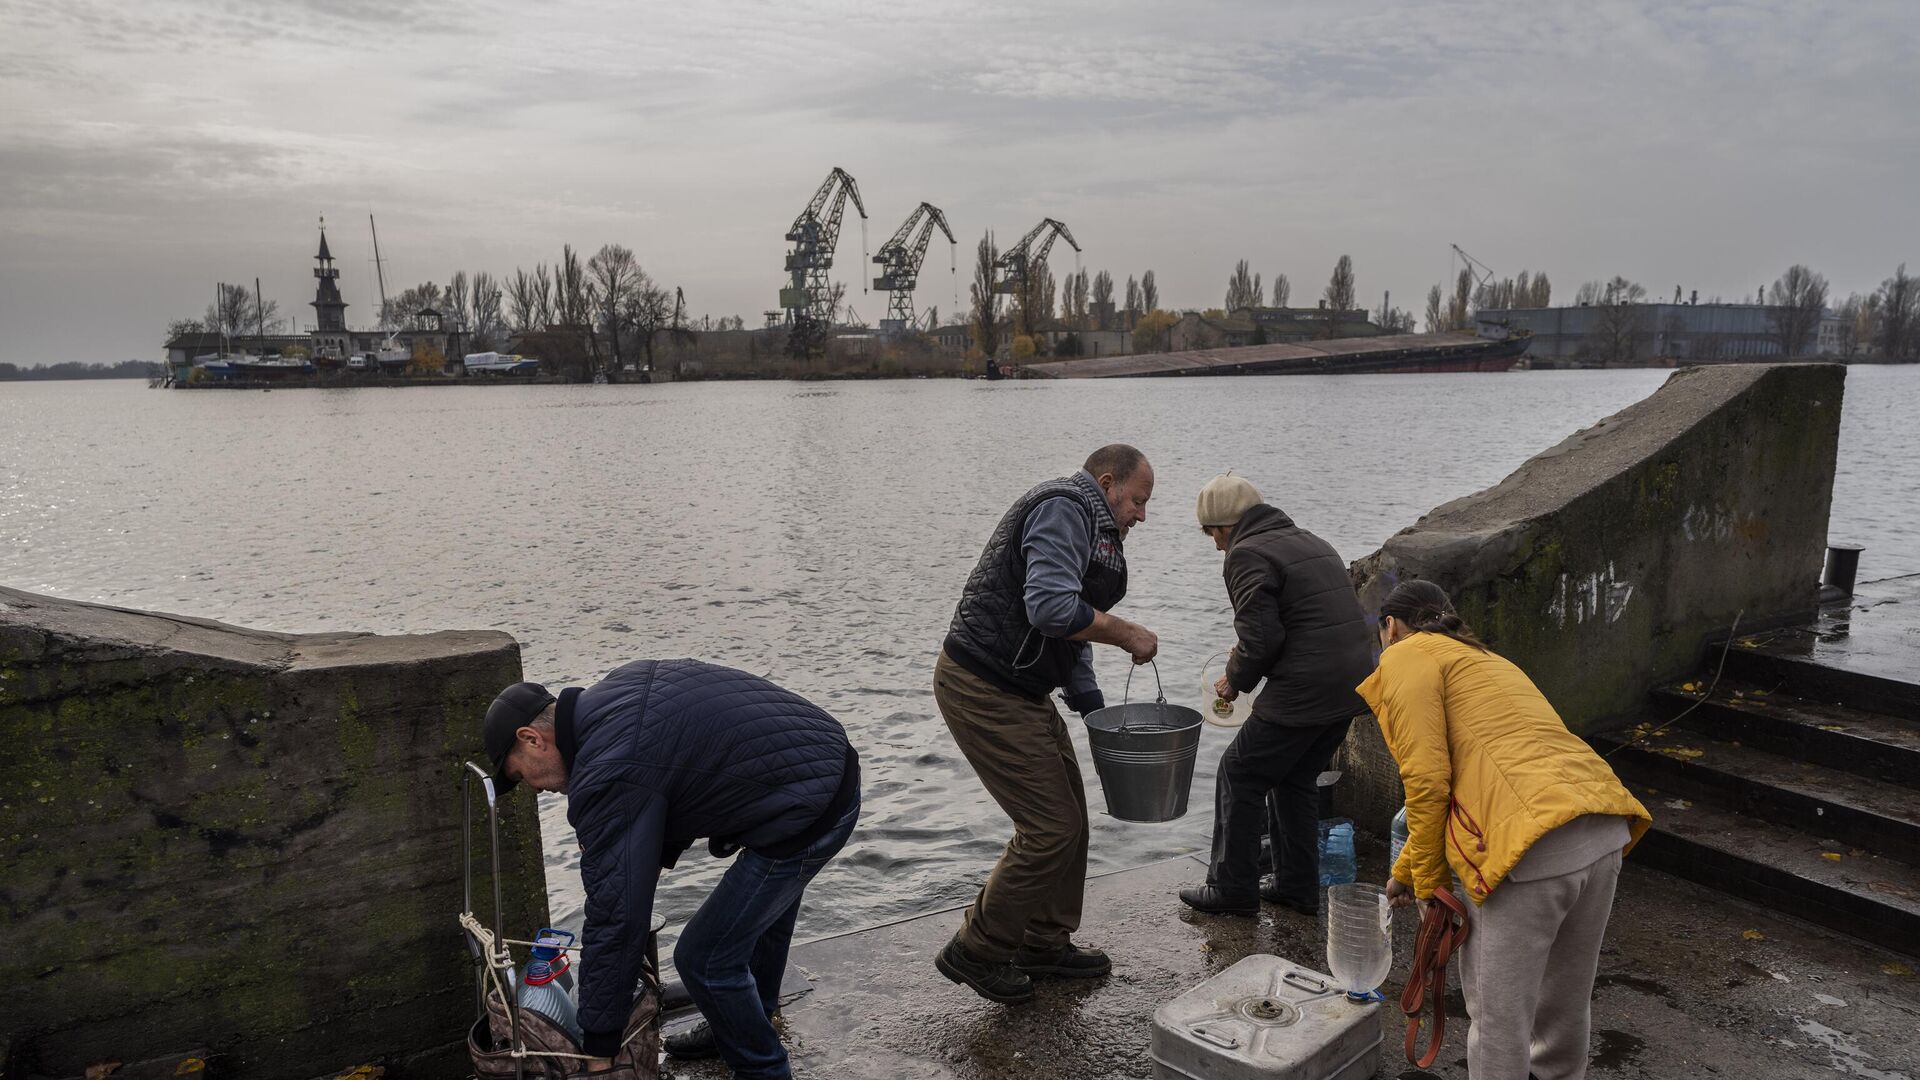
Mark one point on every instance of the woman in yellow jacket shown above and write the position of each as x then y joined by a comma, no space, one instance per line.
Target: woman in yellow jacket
1524,815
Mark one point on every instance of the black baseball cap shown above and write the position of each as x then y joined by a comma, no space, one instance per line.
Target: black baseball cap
516,707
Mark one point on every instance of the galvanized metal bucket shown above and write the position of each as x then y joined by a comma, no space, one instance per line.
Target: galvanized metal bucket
1144,753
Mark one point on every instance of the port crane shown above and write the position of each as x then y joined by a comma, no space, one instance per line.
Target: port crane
808,297
1022,259
900,259
1482,273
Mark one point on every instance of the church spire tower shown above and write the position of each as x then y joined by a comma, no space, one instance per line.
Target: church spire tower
327,305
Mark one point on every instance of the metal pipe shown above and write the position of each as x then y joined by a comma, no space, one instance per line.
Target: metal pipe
1843,566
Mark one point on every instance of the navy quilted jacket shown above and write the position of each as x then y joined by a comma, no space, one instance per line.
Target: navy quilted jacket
661,753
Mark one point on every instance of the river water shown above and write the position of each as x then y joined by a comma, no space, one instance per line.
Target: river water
818,532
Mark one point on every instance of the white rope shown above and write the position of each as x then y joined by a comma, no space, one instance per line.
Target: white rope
504,958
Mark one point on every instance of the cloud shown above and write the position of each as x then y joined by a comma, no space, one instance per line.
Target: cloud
1698,140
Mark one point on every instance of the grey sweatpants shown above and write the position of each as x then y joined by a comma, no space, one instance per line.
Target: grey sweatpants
1527,972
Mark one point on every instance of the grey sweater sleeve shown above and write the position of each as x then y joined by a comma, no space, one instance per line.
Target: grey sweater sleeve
1056,543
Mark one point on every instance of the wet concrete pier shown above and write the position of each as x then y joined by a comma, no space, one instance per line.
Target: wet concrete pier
1691,985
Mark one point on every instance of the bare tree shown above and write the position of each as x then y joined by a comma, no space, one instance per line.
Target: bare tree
1242,288
1795,304
1866,323
1149,292
1103,297
1620,324
236,313
649,311
612,275
1457,310
573,305
1899,316
1849,329
1392,319
529,306
1340,290
1282,290
403,310
986,302
1542,294
457,311
1589,293
1133,302
1436,315
1081,289
484,301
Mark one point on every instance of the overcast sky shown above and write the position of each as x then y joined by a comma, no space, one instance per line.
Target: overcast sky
150,149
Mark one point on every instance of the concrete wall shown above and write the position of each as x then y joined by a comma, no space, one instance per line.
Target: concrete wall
1603,565
241,841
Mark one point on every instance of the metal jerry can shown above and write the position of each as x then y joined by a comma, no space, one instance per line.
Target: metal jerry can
1265,1019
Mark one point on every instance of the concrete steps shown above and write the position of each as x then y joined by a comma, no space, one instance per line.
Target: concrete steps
1791,785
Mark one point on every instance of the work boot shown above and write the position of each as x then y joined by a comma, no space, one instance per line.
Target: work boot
1270,892
1001,982
1216,901
692,1044
1069,961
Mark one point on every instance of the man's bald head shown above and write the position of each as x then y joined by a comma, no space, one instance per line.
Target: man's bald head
1117,460
1125,479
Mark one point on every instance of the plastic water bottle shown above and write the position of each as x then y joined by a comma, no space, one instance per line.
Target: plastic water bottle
1359,937
550,947
541,990
1336,852
1399,839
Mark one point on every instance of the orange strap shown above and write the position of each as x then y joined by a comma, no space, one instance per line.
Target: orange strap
1443,930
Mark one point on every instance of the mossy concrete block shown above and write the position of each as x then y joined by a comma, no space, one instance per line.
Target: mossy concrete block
241,840
1603,565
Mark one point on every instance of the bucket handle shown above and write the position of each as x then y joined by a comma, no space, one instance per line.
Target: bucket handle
1127,691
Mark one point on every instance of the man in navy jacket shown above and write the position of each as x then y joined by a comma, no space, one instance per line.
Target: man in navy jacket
659,754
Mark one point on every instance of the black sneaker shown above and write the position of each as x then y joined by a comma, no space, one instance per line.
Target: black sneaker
1069,961
1215,901
692,1044
1000,982
1270,892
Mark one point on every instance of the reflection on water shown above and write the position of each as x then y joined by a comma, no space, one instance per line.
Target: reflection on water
818,533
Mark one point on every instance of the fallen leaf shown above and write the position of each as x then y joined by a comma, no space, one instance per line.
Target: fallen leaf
1754,935
100,1069
1679,804
1896,969
190,1067
1833,727
1684,753
1832,855
1690,687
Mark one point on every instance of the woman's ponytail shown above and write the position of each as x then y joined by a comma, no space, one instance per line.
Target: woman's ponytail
1426,608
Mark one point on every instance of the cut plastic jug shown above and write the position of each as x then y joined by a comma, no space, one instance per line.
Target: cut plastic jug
1399,834
1359,937
1215,709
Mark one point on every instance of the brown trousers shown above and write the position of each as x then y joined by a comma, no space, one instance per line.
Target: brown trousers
1022,753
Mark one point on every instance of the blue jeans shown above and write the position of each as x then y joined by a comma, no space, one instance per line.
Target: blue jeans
734,950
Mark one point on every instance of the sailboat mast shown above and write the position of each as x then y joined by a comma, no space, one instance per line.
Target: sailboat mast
260,315
378,271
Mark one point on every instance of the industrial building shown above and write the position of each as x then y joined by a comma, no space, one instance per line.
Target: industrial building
1694,333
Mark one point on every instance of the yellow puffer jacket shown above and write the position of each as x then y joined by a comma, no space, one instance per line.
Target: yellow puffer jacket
1488,766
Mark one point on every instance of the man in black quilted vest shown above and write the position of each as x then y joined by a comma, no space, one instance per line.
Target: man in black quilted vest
1038,597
